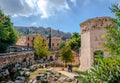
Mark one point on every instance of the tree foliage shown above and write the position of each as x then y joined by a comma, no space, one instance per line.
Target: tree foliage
66,54
41,47
75,41
8,35
97,55
113,33
62,44
108,71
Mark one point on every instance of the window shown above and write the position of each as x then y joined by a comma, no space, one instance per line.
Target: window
28,44
52,44
57,44
97,55
28,38
32,42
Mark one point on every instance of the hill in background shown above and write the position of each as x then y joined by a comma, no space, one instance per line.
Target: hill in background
42,31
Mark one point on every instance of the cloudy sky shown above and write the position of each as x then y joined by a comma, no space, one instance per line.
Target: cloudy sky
64,15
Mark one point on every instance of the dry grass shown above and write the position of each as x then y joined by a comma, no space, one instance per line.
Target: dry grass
35,73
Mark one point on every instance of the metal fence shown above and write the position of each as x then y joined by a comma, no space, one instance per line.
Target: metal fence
16,49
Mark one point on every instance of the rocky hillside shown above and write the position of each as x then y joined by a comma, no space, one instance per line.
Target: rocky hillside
43,31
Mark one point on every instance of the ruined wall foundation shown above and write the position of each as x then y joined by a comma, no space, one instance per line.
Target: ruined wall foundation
12,58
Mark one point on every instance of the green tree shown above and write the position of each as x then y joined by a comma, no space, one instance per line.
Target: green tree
8,36
113,33
62,44
41,47
66,55
74,43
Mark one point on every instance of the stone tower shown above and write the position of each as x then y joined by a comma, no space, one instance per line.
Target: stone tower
92,32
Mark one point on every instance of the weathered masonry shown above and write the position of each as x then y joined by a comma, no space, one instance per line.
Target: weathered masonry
12,58
92,32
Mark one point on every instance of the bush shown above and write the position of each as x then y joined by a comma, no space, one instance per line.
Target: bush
108,71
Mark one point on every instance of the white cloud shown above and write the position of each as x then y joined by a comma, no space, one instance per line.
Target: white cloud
42,7
16,8
45,8
48,8
33,24
74,1
31,3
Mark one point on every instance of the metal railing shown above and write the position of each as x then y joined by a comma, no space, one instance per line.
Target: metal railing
13,53
15,49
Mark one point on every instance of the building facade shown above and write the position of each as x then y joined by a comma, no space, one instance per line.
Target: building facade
30,39
92,40
21,41
55,41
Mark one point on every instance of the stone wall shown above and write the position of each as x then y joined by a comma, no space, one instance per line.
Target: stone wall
85,51
11,58
92,31
95,23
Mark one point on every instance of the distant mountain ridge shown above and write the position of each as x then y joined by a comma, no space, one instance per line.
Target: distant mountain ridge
43,31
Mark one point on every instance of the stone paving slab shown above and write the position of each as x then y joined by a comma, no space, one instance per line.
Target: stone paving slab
69,74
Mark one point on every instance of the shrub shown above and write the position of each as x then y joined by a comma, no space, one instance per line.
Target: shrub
108,71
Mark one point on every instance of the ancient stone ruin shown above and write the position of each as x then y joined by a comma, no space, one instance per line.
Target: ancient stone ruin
92,32
12,58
